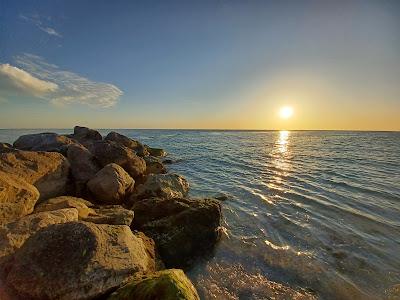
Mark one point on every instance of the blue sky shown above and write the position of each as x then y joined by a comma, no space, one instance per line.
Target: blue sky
200,64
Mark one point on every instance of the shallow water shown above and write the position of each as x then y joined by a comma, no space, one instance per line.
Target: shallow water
318,211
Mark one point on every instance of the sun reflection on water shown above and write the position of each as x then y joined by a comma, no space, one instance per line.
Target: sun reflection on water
283,141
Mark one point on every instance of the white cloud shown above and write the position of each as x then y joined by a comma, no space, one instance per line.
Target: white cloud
38,22
35,77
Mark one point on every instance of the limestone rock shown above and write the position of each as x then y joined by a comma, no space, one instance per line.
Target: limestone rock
162,185
140,149
83,206
169,284
182,228
108,152
17,198
111,184
110,214
48,141
77,260
47,171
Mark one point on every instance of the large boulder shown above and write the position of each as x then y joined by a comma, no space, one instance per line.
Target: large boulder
17,198
13,235
47,171
85,135
83,166
139,148
169,284
162,185
110,214
111,184
108,152
183,229
83,206
77,260
48,141
154,165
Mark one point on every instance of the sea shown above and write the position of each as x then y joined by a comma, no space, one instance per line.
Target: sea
315,211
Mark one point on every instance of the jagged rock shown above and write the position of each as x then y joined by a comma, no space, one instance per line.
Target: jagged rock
156,151
162,185
48,141
139,148
17,198
193,224
77,260
154,165
169,284
111,184
47,171
110,214
83,166
108,152
13,235
83,206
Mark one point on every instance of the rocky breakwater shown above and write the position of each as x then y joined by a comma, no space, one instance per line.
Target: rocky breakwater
87,217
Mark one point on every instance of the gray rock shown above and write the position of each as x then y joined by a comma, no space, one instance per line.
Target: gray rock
47,141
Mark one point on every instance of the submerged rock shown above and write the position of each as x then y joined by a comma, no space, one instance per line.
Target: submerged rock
183,229
77,260
48,141
162,185
139,148
17,198
169,284
47,171
108,152
111,184
110,214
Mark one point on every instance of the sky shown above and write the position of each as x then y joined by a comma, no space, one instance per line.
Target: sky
221,64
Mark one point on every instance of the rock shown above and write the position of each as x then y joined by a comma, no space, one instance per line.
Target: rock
168,161
110,214
17,198
182,228
47,171
83,166
156,151
111,184
5,147
169,284
50,142
162,185
13,235
77,260
140,149
108,152
154,165
84,134
83,206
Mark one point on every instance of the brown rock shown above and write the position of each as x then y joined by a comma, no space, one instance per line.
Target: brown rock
50,142
83,206
154,165
110,214
140,149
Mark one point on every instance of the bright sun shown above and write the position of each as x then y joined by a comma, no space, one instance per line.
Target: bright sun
286,112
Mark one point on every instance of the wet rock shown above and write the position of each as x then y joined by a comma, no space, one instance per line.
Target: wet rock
162,185
111,184
108,152
83,206
183,229
110,214
77,260
83,166
169,284
154,165
47,171
156,151
17,198
13,235
139,148
48,141
168,161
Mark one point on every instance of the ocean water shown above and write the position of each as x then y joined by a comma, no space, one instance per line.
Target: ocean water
317,211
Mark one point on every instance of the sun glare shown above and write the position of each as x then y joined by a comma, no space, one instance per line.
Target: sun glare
286,112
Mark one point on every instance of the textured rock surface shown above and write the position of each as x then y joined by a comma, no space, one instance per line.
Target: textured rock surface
83,206
13,235
162,185
85,135
140,149
154,165
77,260
17,198
111,184
43,142
156,151
110,214
47,171
183,229
110,152
169,284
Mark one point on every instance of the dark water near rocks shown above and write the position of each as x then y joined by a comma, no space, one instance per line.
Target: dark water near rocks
314,210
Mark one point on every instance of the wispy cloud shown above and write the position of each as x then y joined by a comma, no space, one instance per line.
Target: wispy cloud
40,23
35,77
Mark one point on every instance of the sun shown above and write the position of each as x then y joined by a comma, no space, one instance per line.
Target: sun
286,112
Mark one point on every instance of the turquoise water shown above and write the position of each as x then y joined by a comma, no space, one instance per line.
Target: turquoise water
314,210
